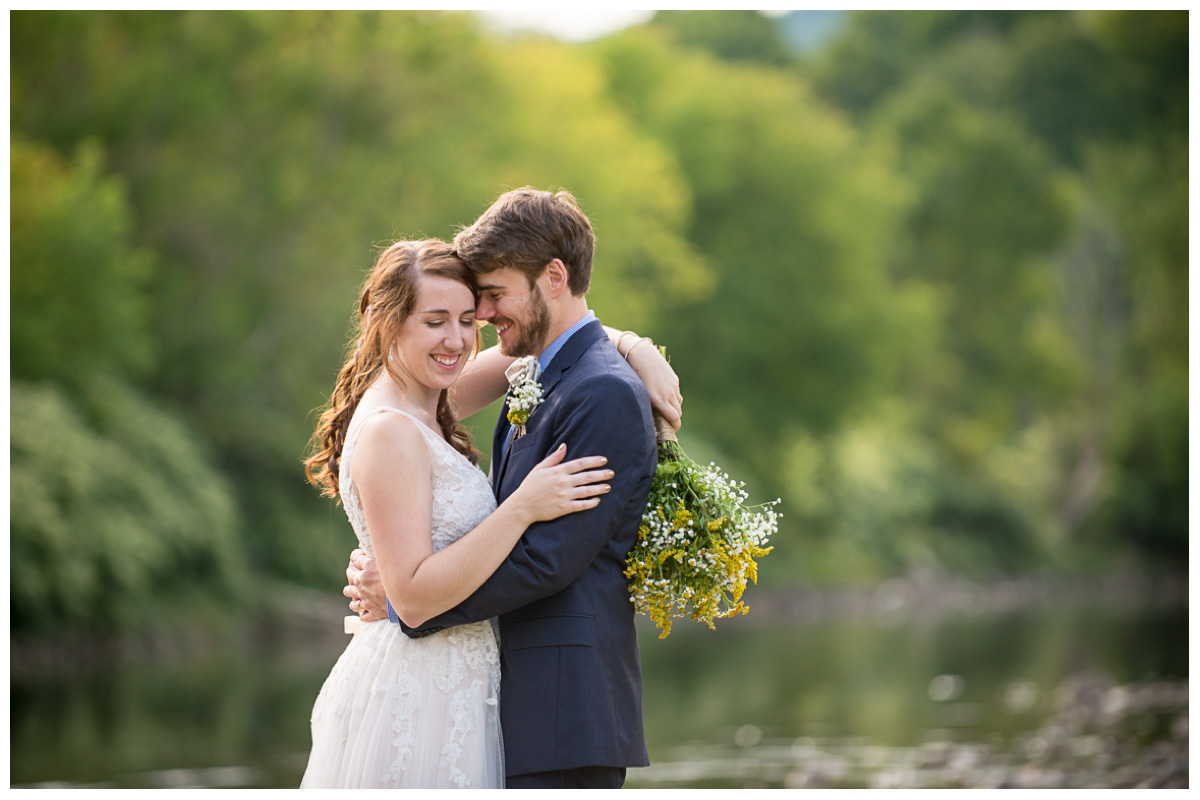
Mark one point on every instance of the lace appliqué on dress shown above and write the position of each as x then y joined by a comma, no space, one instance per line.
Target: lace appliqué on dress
461,716
406,700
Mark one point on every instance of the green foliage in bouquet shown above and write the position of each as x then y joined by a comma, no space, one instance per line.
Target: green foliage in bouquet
696,544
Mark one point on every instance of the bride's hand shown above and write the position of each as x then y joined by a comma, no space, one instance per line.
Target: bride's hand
554,487
660,380
364,587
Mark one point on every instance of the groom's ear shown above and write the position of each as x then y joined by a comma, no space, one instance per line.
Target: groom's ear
556,277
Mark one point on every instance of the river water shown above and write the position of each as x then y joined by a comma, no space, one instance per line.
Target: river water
1064,693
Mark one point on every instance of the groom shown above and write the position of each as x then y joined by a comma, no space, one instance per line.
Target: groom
571,686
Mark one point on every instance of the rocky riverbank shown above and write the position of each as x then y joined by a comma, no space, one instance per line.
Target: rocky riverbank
1100,735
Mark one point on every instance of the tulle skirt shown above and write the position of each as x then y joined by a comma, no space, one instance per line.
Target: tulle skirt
420,713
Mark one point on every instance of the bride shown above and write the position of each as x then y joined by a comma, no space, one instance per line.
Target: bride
396,711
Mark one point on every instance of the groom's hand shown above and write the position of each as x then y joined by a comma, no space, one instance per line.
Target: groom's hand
364,587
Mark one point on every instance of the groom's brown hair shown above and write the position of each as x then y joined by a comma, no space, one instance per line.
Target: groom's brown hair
525,230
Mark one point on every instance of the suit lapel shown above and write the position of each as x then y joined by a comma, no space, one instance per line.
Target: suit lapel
498,436
571,351
505,451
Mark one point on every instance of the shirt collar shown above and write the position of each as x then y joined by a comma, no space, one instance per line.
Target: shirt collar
547,355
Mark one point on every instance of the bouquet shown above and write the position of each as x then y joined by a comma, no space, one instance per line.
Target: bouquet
697,542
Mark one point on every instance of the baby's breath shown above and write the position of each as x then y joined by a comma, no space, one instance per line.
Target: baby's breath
696,544
523,398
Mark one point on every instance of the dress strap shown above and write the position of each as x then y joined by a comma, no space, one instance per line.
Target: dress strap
425,429
356,428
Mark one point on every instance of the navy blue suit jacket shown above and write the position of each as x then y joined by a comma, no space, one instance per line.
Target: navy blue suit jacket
571,687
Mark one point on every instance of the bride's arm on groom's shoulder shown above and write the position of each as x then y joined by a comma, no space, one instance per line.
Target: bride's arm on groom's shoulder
655,371
481,383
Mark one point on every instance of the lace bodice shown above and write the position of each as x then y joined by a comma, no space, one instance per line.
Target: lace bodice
462,496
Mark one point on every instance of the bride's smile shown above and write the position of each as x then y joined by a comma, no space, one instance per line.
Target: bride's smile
438,336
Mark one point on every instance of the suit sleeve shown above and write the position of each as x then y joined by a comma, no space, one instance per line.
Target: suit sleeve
605,417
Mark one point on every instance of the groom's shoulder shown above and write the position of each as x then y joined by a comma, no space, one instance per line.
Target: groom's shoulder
603,384
601,369
607,393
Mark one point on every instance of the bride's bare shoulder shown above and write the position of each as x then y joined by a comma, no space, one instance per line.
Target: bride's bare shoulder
391,440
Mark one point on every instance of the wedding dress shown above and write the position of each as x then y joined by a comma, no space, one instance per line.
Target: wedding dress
421,713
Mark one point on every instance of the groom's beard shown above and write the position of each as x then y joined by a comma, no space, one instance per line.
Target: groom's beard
531,332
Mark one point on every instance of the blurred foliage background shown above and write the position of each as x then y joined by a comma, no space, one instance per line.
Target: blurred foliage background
923,276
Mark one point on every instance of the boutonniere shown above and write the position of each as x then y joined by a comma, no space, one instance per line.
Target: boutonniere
524,392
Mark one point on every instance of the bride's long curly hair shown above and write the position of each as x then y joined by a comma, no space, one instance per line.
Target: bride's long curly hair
386,300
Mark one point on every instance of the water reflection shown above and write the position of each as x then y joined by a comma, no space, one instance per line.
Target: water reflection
1081,745
1037,697
1060,696
233,720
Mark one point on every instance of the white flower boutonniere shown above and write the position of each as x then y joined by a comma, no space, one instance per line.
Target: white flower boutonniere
524,392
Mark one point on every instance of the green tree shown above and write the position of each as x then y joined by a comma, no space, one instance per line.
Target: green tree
1026,136
1106,77
914,220
118,519
741,35
1147,502
281,149
1152,50
880,51
795,214
79,287
989,214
